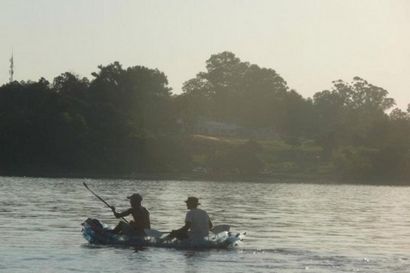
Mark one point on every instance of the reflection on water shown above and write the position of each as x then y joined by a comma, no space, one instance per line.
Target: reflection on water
290,227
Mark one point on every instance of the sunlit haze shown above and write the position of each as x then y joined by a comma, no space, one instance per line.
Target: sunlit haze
309,43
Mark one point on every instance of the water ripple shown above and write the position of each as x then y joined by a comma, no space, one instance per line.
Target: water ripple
290,227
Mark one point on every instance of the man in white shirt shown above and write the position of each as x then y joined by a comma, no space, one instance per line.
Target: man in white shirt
197,222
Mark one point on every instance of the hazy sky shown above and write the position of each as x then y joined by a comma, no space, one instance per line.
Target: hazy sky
309,43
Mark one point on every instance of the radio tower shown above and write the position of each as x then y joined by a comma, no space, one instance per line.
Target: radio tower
11,71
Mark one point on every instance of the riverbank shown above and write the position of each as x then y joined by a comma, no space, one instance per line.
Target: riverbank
210,158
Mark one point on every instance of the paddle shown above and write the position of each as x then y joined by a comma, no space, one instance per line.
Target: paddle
102,200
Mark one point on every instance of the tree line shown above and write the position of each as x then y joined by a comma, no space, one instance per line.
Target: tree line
126,121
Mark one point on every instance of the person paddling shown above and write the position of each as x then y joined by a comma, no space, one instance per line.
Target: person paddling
197,223
140,215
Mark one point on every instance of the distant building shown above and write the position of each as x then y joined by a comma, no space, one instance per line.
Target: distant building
210,127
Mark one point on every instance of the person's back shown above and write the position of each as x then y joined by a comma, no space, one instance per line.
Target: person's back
141,219
199,220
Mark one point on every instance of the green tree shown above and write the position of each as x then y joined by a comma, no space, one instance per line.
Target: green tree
71,85
140,94
349,113
243,93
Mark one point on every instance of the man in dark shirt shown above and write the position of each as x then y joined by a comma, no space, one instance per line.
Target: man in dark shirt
138,212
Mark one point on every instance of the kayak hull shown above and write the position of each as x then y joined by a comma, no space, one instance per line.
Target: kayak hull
99,234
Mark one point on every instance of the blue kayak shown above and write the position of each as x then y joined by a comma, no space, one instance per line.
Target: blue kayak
98,233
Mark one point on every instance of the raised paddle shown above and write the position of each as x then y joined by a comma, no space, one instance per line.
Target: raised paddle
102,200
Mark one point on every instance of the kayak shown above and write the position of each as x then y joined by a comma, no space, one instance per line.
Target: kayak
98,233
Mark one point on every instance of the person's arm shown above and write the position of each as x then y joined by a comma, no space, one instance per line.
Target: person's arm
186,227
147,220
121,214
210,224
177,233
188,221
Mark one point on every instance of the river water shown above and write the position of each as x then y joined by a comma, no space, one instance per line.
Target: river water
290,227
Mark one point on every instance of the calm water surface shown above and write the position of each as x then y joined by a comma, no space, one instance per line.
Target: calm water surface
290,227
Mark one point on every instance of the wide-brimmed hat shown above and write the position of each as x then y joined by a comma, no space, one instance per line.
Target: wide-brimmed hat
192,200
135,196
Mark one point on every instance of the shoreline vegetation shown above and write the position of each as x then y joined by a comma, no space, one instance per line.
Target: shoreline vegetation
234,122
